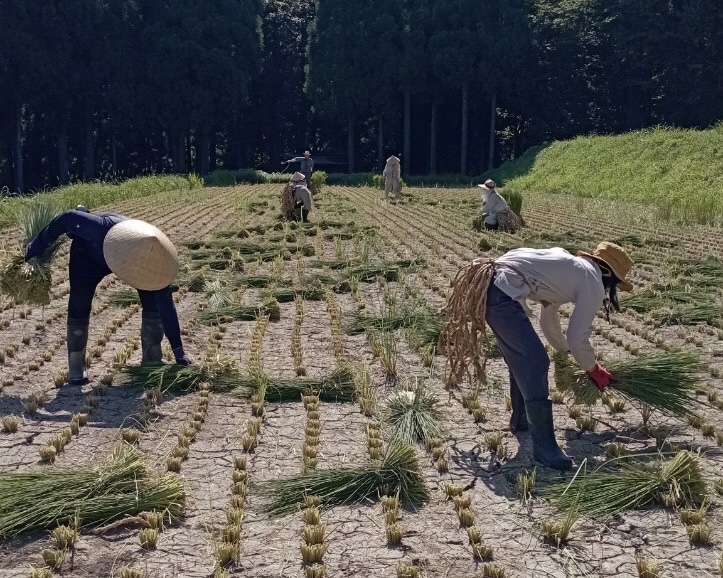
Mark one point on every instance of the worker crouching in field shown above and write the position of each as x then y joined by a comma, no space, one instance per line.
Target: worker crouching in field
495,214
296,201
494,293
139,254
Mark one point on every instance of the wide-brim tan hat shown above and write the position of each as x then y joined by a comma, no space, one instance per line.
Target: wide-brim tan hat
297,176
489,185
140,255
615,257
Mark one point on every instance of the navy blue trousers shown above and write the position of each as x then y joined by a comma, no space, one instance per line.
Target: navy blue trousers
521,347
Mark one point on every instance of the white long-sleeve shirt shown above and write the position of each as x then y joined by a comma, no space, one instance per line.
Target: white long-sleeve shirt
493,206
555,277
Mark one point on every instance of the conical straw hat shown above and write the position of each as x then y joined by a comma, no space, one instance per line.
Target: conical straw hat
140,255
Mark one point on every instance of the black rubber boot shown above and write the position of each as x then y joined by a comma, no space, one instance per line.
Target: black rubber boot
77,341
544,445
518,419
151,338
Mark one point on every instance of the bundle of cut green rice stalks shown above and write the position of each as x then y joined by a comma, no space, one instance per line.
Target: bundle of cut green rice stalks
220,372
399,472
309,293
360,322
632,485
121,487
337,387
235,312
411,416
30,282
124,298
665,381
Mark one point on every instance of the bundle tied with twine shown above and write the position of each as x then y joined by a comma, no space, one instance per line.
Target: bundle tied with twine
464,338
30,282
287,200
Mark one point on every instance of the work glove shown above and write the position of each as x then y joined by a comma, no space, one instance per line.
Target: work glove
601,376
181,357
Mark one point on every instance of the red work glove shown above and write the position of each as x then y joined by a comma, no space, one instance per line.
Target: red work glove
601,376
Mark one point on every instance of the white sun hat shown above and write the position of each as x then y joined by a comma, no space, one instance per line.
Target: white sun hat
140,255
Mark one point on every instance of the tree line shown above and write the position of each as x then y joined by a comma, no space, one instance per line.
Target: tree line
117,88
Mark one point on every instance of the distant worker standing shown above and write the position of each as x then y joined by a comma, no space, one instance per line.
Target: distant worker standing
392,177
306,166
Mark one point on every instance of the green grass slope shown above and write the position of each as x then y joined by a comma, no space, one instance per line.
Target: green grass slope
678,171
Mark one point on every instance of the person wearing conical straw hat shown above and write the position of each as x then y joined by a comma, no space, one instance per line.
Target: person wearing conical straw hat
296,201
495,293
139,254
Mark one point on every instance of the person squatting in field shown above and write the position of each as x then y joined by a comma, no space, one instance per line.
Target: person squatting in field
494,293
495,214
392,177
139,254
296,201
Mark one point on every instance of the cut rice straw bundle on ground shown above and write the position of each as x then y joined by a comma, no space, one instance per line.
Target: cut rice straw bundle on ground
665,381
337,387
400,471
122,487
30,282
231,313
124,298
309,293
221,373
412,416
601,494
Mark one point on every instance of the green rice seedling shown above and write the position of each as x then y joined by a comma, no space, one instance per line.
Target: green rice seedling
574,411
557,397
442,464
405,570
249,442
313,554
493,441
180,452
153,519
239,476
314,534
31,405
616,405
585,423
493,571
239,462
173,463
130,572
40,572
58,442
148,538
616,450
225,553
315,571
398,471
231,534
238,501
452,490
54,559
482,551
526,483
601,494
64,537
74,427
10,424
412,416
648,567
130,435
665,381
390,504
699,534
557,531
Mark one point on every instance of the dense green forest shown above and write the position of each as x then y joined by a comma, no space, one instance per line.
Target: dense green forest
117,88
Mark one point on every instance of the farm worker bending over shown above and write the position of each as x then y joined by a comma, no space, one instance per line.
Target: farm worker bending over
494,293
492,205
296,199
139,254
392,177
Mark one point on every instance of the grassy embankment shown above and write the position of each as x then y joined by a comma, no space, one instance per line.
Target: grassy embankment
678,172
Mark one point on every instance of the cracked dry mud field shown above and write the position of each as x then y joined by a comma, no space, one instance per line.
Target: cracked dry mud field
433,227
